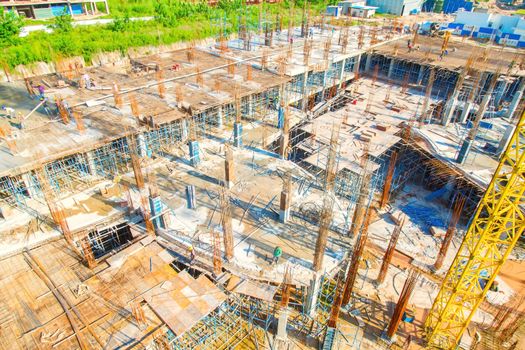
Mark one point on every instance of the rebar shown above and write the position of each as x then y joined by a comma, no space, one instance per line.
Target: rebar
389,253
404,297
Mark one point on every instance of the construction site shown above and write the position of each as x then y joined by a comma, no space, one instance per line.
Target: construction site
314,186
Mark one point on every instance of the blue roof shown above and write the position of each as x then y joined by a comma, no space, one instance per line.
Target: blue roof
361,7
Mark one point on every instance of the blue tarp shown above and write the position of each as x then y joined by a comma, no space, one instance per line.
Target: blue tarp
423,216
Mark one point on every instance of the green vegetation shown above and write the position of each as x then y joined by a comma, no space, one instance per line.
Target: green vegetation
132,8
63,23
438,6
174,21
10,25
384,15
520,12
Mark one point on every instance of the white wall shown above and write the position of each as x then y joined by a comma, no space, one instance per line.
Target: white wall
507,24
473,18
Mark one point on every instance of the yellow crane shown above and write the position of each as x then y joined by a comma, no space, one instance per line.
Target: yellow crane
492,234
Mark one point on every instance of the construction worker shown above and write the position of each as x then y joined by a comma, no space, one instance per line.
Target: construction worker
192,253
9,111
277,252
41,91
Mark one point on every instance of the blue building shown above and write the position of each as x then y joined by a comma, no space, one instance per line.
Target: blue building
397,7
508,30
449,6
49,9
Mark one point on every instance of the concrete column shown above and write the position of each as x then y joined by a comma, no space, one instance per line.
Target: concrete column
220,117
464,151
107,7
516,100
92,8
70,9
304,102
450,107
325,78
368,62
280,118
249,110
237,134
156,207
467,144
500,92
190,197
184,129
282,323
194,152
283,147
341,73
467,107
391,68
91,163
503,143
421,74
28,183
142,146
357,66
312,293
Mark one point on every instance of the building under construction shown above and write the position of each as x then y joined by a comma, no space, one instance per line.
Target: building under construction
144,203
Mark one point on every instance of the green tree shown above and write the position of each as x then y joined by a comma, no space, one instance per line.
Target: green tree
63,22
10,25
120,24
438,6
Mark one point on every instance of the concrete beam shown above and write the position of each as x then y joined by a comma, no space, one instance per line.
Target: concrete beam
516,100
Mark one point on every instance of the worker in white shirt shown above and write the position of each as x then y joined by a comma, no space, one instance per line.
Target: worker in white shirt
8,111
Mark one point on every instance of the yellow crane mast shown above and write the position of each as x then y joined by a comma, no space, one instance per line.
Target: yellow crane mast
492,234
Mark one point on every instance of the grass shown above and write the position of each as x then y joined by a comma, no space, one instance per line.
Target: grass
33,22
180,22
520,12
133,8
384,15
